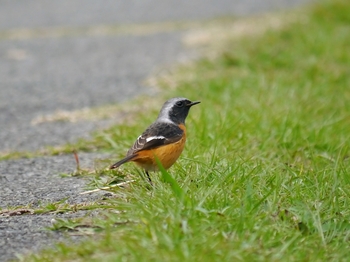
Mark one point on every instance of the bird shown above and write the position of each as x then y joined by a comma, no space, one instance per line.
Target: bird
164,139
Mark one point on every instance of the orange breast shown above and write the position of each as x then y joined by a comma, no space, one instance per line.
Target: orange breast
167,154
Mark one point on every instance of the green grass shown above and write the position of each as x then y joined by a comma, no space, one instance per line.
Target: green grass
265,175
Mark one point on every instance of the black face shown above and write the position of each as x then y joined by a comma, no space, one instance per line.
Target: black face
182,103
179,111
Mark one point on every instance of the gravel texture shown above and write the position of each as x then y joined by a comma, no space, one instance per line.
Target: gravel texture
39,76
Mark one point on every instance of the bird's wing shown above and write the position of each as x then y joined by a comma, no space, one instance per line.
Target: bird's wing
156,135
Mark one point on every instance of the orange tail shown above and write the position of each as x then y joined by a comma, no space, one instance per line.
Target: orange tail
123,161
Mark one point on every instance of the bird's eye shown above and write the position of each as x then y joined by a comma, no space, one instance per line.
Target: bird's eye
179,104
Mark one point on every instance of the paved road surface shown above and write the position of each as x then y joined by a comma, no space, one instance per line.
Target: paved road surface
40,75
36,13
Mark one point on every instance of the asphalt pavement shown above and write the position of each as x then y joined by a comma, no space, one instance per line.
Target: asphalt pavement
50,61
42,75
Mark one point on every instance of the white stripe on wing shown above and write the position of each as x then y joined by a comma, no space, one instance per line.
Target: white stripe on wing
153,138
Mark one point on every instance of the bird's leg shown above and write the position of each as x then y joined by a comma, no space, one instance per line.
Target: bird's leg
149,178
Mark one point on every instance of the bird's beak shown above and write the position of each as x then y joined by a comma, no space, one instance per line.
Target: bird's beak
193,103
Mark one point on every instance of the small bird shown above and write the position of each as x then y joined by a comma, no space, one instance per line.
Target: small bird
163,140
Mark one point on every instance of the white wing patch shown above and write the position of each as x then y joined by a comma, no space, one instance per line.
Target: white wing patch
153,138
